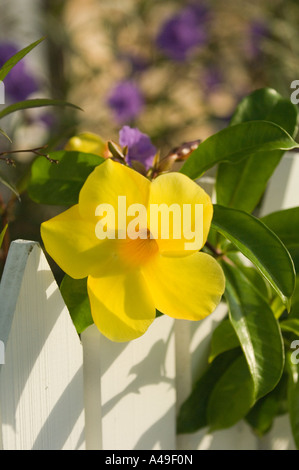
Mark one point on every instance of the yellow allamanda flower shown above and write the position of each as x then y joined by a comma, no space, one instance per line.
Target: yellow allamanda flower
129,278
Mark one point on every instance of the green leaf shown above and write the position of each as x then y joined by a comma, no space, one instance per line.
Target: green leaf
74,293
295,301
260,245
252,275
285,223
193,412
34,103
232,397
293,393
265,104
8,184
10,63
2,234
158,313
262,414
290,326
257,329
224,338
242,185
236,143
61,183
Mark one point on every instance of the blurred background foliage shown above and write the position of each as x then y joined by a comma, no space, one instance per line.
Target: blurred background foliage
175,69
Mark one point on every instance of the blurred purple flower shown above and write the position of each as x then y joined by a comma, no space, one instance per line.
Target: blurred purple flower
139,145
138,63
183,32
126,101
212,78
19,83
258,31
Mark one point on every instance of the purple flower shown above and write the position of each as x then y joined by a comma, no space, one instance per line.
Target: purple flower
126,101
19,83
139,145
212,78
258,31
183,32
137,62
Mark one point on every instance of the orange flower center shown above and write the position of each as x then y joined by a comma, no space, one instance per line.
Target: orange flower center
139,251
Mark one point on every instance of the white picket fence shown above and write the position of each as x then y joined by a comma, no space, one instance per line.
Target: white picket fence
62,392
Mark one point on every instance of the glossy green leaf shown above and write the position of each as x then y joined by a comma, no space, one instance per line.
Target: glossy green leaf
232,397
193,412
236,143
74,293
257,329
285,223
60,183
34,103
265,104
224,338
252,275
260,245
242,185
293,394
10,63
2,234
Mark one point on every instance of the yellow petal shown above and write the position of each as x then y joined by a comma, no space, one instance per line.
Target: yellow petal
121,305
179,190
72,243
106,184
87,142
187,288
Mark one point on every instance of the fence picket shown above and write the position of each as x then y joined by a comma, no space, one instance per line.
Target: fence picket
41,382
137,389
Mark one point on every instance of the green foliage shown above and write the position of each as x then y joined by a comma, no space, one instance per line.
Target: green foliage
250,374
285,224
224,339
74,293
22,105
232,396
2,132
261,341
60,183
193,413
5,180
260,245
9,64
262,414
242,185
235,143
2,234
34,103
